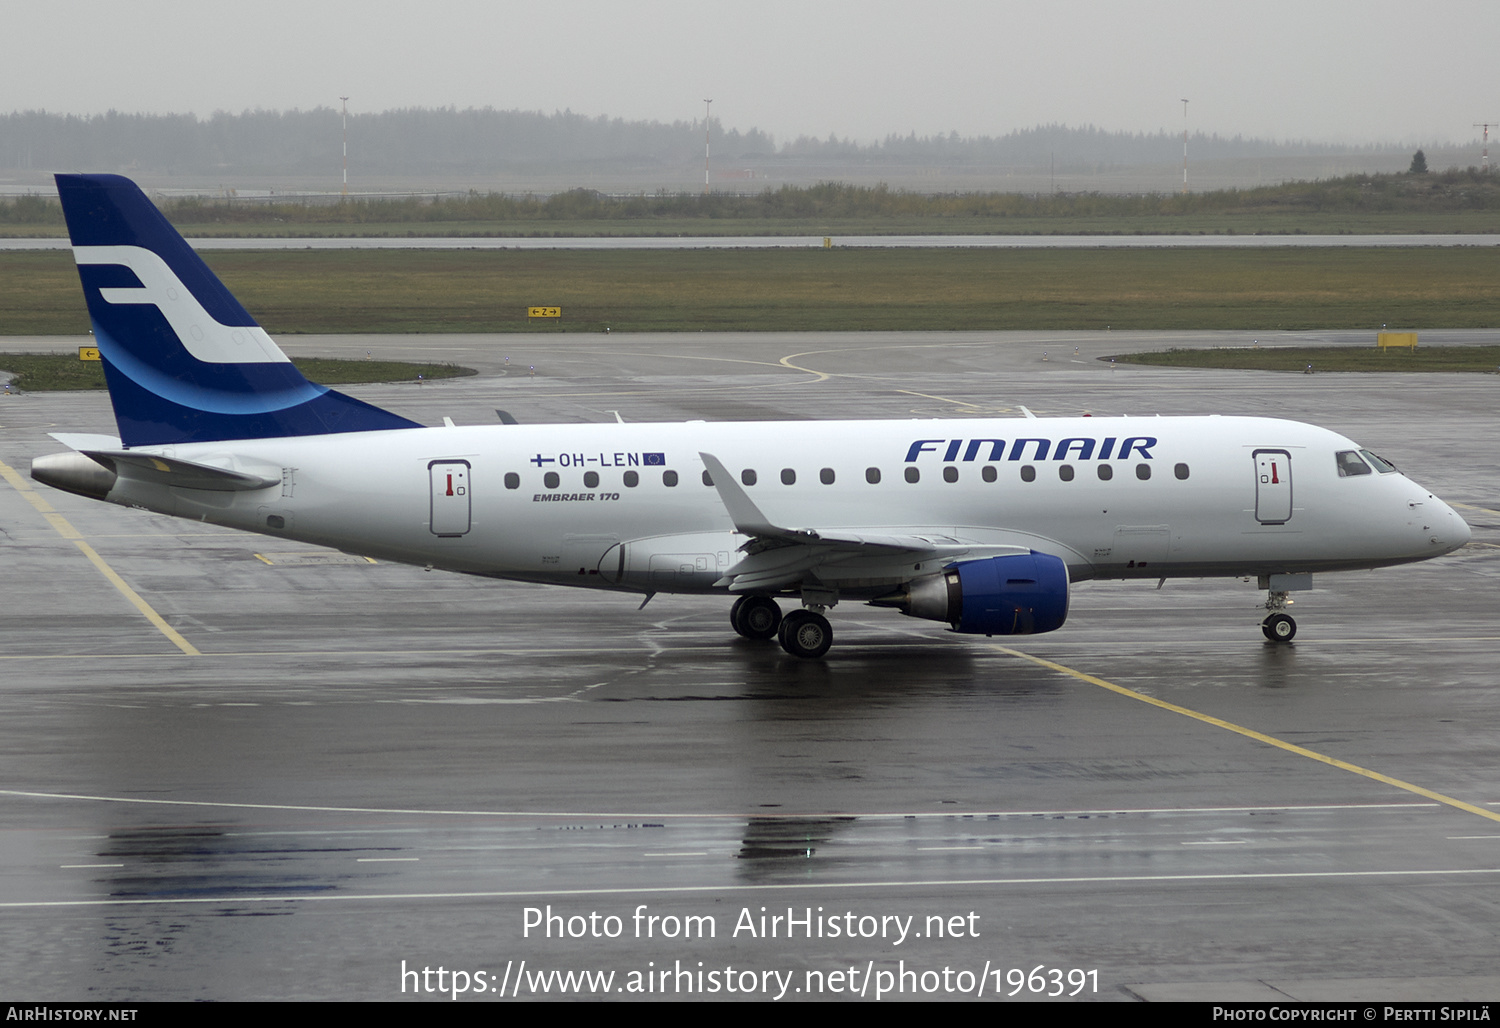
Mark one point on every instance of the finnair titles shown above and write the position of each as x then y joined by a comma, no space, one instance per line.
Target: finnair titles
986,525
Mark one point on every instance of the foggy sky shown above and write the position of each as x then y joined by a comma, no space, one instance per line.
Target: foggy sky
1353,71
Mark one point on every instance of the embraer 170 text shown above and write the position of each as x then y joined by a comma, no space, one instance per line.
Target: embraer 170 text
984,524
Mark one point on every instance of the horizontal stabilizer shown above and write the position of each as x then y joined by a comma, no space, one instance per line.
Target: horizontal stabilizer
180,474
87,440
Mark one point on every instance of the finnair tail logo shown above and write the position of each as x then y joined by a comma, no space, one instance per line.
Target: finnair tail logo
202,336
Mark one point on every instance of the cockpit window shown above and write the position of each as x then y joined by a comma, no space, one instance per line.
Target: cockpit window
1382,465
1350,464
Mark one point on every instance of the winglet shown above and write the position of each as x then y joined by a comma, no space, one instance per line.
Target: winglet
743,512
746,516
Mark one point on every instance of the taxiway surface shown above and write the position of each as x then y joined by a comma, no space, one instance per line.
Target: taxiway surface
337,766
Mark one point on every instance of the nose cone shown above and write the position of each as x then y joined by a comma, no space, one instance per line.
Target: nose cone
1446,531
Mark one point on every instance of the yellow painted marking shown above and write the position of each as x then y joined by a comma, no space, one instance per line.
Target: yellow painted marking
1251,733
65,529
17,483
822,376
312,558
1470,506
63,526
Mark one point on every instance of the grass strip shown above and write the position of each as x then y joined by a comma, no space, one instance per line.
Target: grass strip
1325,358
38,372
813,289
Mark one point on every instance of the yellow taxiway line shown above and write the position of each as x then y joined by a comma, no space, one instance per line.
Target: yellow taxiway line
65,529
1251,733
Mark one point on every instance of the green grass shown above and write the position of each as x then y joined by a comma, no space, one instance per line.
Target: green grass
813,289
37,372
1326,358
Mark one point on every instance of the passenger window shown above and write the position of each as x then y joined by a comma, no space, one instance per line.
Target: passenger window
989,474
950,474
748,476
1143,471
1106,472
632,479
591,480
1028,473
872,475
826,476
1065,472
788,476
669,478
912,474
707,478
550,480
512,480
1350,463
1181,471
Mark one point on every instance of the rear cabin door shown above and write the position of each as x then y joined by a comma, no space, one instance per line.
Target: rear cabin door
451,500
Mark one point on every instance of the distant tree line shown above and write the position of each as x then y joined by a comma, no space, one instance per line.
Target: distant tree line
449,141
1450,191
408,141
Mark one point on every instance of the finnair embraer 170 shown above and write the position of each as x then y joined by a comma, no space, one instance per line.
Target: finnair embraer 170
983,524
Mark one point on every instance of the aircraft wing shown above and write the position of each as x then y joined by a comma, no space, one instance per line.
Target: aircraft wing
777,557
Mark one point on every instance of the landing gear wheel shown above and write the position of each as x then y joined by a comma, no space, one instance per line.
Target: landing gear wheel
755,617
806,634
1279,628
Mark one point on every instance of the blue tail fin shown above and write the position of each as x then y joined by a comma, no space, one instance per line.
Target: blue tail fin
184,361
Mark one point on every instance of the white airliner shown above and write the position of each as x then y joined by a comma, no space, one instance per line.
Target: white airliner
983,524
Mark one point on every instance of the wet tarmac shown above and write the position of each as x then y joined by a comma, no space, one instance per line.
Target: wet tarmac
354,770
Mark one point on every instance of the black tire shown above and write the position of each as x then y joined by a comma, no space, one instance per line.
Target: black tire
737,617
806,634
1279,628
761,617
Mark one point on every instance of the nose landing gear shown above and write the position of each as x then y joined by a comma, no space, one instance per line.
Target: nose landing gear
1278,625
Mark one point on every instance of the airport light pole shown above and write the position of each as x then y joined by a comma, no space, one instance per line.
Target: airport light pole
346,144
1184,145
1486,126
707,107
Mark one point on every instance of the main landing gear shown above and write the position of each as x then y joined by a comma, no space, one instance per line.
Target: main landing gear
1278,625
755,617
803,633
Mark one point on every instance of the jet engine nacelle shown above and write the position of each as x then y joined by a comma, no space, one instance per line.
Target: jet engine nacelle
1017,594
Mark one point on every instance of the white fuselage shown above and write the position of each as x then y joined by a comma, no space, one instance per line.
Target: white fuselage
592,505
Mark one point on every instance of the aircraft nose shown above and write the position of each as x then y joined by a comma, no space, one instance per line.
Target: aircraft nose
1448,529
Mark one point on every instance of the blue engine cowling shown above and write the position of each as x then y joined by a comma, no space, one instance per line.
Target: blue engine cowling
1017,594
1022,594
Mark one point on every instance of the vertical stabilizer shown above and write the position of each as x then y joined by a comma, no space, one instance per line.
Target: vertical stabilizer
183,360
